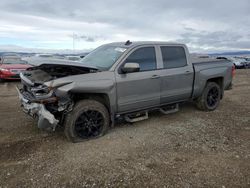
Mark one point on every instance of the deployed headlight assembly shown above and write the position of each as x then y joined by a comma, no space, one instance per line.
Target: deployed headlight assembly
42,92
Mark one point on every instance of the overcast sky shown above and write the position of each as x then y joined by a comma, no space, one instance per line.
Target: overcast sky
203,25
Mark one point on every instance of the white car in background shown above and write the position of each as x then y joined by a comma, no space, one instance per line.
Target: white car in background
73,58
239,63
247,62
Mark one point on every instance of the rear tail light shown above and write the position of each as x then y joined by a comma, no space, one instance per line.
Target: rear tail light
233,70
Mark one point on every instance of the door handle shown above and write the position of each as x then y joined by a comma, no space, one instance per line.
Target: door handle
187,72
155,77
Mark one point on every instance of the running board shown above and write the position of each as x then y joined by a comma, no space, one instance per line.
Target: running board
131,118
170,109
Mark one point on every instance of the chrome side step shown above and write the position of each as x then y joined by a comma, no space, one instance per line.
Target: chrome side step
170,109
143,115
131,118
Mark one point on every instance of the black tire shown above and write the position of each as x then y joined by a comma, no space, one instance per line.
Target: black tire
89,119
210,98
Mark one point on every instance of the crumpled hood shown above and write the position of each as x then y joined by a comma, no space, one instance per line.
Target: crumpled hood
65,63
52,71
82,79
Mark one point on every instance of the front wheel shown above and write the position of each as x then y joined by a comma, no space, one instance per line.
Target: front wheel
89,119
210,98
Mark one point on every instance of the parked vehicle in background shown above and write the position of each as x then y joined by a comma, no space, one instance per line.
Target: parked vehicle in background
239,63
12,56
121,80
247,62
221,57
44,55
36,60
10,68
73,58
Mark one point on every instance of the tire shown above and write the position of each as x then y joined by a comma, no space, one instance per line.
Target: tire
209,101
89,119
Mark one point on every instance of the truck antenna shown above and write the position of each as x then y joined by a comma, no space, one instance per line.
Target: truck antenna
128,43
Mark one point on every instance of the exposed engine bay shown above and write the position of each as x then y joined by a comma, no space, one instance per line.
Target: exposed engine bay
47,72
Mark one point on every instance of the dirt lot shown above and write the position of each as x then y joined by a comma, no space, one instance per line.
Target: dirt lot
188,149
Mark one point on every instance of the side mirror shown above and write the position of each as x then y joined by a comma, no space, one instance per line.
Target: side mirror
131,67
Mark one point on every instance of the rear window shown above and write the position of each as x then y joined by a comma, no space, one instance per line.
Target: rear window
173,57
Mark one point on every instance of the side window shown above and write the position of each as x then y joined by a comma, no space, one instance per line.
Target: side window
173,57
145,57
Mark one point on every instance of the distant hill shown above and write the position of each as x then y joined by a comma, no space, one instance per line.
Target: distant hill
26,54
17,53
14,49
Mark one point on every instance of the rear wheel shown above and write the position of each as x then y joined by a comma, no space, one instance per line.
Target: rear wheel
210,98
89,119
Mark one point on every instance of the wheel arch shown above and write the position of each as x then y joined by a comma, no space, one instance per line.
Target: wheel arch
100,97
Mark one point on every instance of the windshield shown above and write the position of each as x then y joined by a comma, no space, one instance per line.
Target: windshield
103,57
14,61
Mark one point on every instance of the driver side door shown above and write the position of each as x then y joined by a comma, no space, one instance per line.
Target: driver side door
139,90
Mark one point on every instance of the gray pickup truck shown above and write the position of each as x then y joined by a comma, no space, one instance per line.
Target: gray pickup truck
120,80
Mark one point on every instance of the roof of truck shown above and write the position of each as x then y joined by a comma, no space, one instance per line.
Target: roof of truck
127,44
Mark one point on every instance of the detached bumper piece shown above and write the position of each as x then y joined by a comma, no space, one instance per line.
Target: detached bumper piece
46,120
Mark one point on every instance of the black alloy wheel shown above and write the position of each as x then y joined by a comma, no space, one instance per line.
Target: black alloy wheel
213,97
210,98
89,119
89,124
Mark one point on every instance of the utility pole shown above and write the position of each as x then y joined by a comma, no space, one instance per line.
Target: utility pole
73,40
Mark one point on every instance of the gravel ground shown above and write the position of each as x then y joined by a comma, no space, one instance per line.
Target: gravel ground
190,148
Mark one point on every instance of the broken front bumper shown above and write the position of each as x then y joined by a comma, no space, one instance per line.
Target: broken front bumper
46,120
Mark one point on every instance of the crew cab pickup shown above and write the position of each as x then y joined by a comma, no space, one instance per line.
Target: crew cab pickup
121,80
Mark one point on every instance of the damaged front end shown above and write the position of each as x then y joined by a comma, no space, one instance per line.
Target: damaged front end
40,98
46,120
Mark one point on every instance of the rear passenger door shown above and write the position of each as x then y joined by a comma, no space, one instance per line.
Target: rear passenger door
176,74
139,90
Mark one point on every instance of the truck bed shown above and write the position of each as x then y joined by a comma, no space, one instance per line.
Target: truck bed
204,68
205,60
